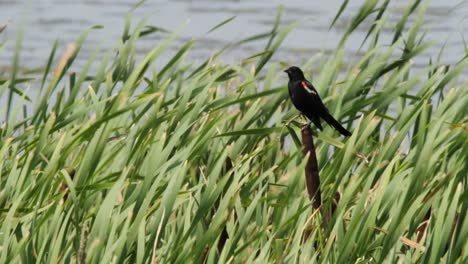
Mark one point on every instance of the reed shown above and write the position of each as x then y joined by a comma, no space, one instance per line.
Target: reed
127,163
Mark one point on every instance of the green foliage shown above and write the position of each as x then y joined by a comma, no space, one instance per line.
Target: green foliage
145,163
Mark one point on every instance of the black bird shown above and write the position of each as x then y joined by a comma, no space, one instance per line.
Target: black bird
306,99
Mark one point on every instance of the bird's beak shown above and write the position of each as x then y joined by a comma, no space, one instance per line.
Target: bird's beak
286,71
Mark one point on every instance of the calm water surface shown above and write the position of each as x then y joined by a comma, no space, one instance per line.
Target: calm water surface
48,20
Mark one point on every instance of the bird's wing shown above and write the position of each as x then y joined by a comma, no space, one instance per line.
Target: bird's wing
314,97
309,87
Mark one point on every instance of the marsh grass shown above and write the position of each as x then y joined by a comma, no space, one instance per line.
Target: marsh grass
128,163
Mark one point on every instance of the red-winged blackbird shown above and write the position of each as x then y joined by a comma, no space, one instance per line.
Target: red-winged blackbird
306,99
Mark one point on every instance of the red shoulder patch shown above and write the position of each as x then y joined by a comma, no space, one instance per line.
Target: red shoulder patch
308,89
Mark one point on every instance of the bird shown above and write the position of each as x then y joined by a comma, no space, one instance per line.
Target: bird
307,100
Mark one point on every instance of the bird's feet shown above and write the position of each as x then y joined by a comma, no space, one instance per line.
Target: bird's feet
308,126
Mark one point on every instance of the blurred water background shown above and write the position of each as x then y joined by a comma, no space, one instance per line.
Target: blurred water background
48,20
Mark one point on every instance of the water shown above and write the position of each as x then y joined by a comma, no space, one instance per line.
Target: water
48,20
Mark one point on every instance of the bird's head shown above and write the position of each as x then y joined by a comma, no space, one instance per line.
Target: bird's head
294,73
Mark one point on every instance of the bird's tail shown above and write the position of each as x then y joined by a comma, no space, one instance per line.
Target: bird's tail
332,121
